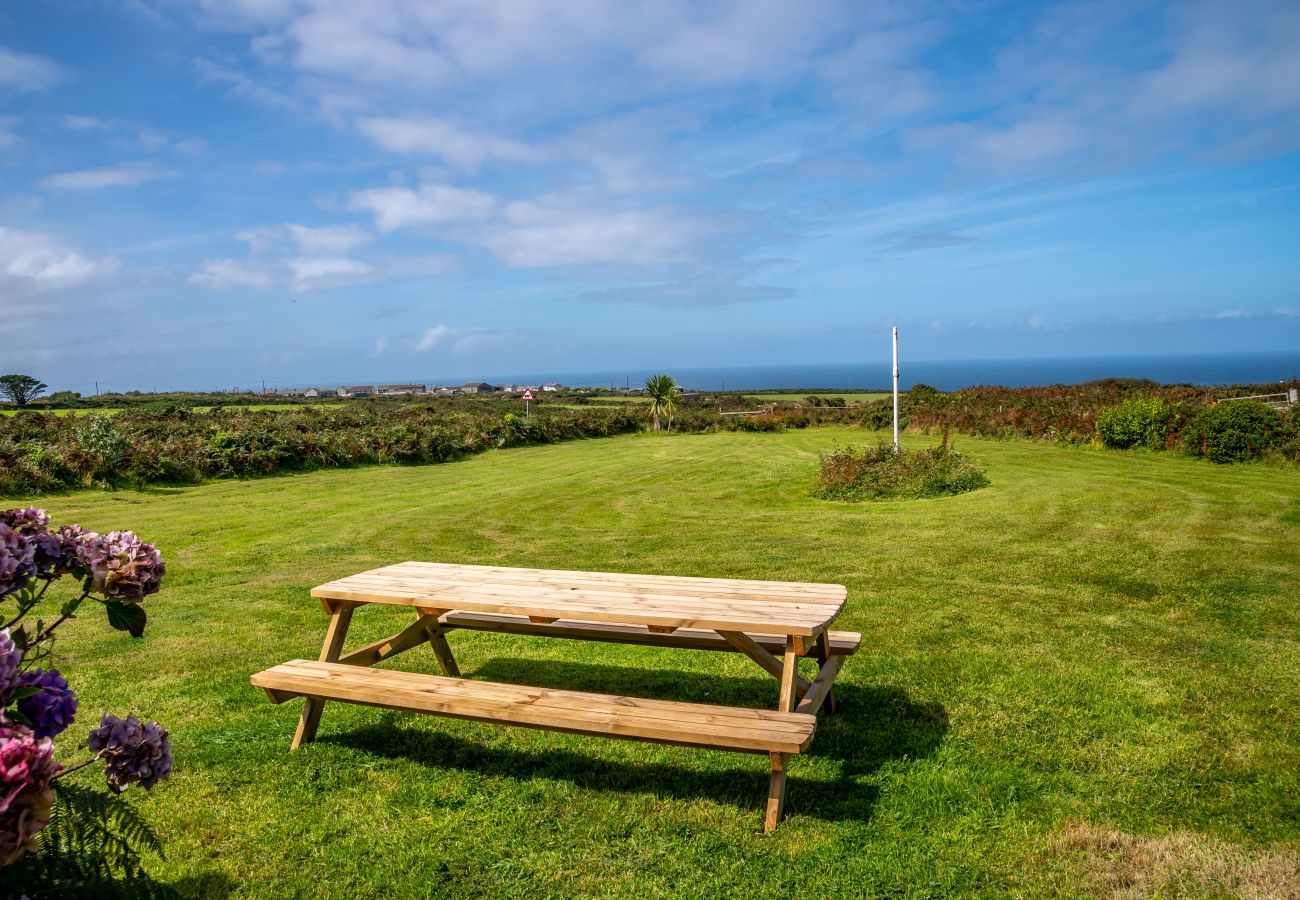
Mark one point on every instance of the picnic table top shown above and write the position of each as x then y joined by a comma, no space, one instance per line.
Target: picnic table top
663,601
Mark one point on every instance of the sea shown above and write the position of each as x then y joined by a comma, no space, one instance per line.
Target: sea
947,375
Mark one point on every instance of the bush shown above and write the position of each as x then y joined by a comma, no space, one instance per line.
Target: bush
1137,422
40,453
1236,431
881,473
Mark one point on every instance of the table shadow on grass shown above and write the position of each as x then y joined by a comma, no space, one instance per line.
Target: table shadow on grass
872,726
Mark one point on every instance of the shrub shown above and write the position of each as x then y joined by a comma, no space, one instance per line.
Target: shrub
881,473
41,453
1137,422
1237,431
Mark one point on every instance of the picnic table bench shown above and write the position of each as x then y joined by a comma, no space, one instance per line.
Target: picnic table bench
773,623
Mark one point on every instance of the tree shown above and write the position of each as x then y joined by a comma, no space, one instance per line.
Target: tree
21,389
663,394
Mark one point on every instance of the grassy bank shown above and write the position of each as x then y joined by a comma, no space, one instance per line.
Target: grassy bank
1096,652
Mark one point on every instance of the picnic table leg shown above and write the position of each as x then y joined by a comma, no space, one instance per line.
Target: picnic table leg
776,786
775,793
340,619
823,656
438,641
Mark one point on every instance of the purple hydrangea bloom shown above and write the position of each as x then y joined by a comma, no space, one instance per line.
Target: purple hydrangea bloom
52,709
27,767
122,566
71,537
10,657
133,751
25,520
17,560
33,524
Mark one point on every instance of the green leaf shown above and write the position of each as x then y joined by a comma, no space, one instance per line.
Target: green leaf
128,617
71,607
22,693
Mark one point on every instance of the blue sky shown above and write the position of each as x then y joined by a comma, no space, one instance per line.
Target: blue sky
223,191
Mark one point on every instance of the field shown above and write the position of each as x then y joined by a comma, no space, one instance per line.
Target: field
847,397
1079,680
112,411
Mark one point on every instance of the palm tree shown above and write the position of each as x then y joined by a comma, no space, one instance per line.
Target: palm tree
663,394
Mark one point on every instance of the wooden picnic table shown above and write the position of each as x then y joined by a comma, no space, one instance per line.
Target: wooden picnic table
773,623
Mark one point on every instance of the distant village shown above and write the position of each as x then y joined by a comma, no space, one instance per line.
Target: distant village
399,390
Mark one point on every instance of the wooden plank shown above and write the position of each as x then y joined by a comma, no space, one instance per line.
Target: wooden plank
412,636
824,653
663,602
441,649
790,675
432,590
822,686
775,793
770,664
663,721
399,577
335,634
308,676
679,583
837,642
760,621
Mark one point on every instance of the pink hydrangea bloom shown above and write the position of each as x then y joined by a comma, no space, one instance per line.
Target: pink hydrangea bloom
27,768
17,560
122,567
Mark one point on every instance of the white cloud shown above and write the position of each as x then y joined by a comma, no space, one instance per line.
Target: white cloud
430,204
8,137
34,261
301,258
29,72
122,175
84,123
551,230
328,239
431,338
381,346
460,147
310,272
462,340
231,274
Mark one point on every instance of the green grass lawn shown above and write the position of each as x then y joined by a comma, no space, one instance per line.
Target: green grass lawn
1079,680
847,397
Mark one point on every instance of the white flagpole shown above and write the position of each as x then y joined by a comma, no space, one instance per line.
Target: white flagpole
895,388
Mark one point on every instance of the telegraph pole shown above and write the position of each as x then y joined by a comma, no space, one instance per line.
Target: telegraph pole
895,388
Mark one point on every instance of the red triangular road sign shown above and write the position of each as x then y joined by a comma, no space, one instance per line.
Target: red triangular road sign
528,395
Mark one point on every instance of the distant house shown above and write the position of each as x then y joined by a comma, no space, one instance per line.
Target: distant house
551,387
357,390
478,387
689,395
321,392
395,390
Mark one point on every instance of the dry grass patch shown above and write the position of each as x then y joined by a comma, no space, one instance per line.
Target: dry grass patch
1182,864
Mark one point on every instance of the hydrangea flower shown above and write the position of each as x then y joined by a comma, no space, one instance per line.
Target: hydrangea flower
17,560
27,767
53,708
134,751
122,566
70,538
25,520
47,546
10,657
